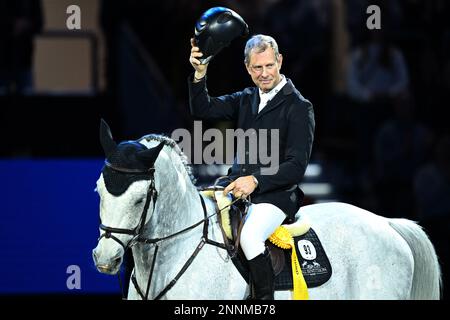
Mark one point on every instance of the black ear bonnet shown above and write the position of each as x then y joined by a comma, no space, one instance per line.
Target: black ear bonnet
125,156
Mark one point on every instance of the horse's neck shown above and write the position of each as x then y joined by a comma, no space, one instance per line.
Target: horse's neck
174,253
178,204
178,207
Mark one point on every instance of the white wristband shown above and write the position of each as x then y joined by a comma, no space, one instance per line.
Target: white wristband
255,180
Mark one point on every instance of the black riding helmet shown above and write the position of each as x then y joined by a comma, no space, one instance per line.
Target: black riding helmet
215,29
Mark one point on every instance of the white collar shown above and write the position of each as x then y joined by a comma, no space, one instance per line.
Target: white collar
275,90
265,97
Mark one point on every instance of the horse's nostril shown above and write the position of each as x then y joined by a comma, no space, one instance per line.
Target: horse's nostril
117,260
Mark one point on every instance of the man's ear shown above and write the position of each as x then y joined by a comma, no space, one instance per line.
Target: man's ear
280,60
248,68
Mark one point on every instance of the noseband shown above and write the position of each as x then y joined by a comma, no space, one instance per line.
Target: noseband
137,231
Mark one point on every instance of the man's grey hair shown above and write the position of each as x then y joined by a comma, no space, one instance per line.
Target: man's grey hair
259,43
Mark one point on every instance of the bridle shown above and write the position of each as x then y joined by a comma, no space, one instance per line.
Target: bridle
138,238
136,232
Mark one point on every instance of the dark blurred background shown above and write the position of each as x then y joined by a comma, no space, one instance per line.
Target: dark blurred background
382,140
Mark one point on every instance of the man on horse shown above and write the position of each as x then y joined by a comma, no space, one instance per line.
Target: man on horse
274,104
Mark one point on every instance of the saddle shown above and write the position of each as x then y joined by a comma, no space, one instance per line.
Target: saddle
283,246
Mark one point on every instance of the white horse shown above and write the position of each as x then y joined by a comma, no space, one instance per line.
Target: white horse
372,257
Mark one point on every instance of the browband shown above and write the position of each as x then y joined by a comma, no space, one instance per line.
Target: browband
128,170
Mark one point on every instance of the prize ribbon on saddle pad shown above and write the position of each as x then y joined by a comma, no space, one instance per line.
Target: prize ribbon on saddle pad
283,239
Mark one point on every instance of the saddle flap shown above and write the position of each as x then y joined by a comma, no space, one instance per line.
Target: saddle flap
277,257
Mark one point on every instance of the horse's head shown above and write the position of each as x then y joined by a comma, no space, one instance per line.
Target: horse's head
126,188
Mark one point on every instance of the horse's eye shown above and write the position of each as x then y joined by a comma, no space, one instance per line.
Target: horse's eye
138,202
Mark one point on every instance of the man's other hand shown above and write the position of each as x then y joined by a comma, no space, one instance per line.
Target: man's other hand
241,187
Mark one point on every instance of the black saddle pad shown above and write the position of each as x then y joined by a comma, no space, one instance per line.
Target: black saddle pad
316,267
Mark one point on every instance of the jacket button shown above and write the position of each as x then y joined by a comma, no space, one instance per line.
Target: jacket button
243,170
293,197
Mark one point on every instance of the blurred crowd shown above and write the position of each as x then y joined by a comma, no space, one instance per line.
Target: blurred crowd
379,104
20,22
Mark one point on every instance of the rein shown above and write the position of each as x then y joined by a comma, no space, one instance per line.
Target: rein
200,245
137,235
226,246
204,240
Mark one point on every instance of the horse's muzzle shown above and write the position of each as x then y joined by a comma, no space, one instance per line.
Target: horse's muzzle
111,267
106,268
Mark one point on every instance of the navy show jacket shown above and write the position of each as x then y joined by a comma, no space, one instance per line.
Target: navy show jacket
290,113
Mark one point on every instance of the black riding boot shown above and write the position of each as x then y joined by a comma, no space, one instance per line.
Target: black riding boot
262,277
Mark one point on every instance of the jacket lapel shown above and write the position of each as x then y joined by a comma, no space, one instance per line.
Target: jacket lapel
255,102
279,98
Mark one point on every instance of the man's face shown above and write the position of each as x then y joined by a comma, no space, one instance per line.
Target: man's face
264,69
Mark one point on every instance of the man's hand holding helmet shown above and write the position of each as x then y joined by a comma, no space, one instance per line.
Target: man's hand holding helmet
216,29
200,69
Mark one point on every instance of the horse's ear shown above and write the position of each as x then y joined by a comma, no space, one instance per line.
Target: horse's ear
149,156
106,139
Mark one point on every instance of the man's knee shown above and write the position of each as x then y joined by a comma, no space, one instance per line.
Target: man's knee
248,235
251,244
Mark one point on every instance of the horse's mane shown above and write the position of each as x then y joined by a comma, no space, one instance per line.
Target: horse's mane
174,146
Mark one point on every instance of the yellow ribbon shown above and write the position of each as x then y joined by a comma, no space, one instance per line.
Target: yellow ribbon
283,239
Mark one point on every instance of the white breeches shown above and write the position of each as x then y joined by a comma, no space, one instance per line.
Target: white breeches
261,221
